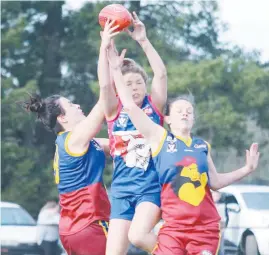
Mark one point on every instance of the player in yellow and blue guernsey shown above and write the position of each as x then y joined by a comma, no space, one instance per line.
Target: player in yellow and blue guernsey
186,172
135,188
78,168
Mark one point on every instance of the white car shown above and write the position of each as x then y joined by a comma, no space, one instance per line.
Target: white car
247,210
18,231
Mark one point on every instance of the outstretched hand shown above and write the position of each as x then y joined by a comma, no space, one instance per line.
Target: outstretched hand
139,34
252,157
108,34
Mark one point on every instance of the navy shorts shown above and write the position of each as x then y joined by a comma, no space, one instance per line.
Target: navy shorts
124,208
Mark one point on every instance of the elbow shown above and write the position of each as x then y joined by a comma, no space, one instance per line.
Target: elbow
162,74
129,106
214,187
215,182
104,86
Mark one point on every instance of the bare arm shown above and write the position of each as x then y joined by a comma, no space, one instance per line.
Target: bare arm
86,130
221,180
80,137
141,121
104,143
159,83
106,89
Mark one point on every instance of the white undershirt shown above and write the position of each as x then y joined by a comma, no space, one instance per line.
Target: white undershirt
47,226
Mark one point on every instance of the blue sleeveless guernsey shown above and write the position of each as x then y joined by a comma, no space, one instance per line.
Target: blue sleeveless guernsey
134,171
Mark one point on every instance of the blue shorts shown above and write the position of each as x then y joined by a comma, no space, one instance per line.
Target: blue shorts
124,208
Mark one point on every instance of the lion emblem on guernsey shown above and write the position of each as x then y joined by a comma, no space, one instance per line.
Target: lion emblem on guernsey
189,185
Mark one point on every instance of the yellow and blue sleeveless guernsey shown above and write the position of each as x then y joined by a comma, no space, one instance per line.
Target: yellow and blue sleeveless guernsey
134,170
183,171
83,197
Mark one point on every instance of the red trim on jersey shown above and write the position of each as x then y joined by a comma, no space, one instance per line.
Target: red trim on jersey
118,112
156,110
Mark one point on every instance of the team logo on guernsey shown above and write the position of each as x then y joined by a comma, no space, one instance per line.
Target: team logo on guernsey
132,147
148,110
122,121
189,184
172,144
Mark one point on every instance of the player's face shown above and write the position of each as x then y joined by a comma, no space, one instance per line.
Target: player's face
73,113
182,115
137,86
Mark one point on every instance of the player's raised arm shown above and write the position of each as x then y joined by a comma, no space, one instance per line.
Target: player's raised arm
141,121
159,83
86,129
220,180
110,101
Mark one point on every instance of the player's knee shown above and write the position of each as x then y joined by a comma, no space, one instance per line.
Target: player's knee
136,238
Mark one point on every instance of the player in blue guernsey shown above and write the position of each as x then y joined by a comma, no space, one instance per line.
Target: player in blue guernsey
186,172
78,167
135,188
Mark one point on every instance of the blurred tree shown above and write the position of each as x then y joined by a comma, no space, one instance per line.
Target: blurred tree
31,37
228,92
26,177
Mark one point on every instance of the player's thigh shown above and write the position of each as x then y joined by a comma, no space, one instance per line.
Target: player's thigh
147,215
117,239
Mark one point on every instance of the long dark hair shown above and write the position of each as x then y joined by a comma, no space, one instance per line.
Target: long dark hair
47,110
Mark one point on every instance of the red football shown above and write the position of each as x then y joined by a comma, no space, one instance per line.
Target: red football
116,12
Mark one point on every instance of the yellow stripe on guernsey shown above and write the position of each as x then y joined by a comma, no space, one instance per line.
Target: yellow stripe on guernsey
187,141
155,153
70,152
104,226
219,239
56,166
209,146
154,249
